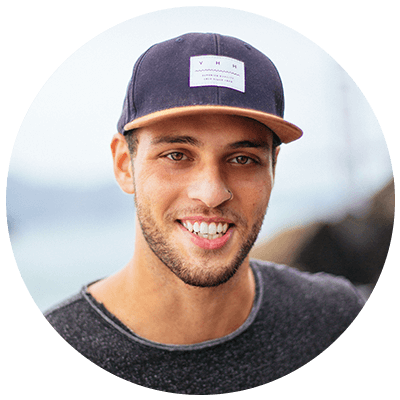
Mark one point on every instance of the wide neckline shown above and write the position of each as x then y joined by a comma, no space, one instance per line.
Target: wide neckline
113,321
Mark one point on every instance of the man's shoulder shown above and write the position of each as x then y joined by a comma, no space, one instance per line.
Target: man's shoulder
64,306
70,315
70,305
307,290
304,312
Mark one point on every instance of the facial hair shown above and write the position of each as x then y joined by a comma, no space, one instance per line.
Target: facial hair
181,266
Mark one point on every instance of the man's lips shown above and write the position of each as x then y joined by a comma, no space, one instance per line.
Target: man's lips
208,228
214,242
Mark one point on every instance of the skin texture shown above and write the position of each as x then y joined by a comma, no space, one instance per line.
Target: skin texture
179,288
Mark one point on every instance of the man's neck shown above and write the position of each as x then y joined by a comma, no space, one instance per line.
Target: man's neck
158,306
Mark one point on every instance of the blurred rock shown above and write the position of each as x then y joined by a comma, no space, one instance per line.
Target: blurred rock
354,247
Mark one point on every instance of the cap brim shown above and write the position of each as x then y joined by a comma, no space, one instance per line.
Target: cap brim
286,131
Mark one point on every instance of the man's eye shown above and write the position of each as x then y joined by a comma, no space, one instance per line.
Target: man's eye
242,160
176,156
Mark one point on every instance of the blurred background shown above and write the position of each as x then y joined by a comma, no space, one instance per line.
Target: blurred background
332,206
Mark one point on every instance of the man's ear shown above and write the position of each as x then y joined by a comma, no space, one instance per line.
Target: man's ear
122,163
277,150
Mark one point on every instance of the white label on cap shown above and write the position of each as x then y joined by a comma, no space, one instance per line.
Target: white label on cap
217,71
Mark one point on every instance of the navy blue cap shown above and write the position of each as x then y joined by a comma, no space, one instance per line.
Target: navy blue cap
205,73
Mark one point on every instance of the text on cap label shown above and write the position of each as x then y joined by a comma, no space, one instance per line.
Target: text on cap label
221,71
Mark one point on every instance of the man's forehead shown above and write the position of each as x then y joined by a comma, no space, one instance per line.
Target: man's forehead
229,131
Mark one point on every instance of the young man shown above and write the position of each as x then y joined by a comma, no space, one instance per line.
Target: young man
197,145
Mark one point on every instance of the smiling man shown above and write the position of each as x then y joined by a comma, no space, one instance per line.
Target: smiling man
197,144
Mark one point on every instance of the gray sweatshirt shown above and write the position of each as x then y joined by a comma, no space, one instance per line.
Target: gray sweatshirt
295,316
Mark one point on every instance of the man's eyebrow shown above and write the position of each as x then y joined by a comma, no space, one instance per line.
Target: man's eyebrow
250,144
167,139
181,139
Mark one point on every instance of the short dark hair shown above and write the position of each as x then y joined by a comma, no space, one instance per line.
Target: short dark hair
132,141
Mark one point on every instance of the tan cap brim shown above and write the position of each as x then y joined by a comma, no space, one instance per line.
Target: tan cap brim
286,131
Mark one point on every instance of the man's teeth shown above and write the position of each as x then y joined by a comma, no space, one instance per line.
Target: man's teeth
207,231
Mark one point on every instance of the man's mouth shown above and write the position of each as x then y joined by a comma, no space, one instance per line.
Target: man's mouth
210,231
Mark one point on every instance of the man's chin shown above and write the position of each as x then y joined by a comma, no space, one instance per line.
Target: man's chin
204,278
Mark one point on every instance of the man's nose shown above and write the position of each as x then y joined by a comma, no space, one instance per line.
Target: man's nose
209,187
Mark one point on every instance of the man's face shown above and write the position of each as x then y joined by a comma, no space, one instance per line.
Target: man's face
183,169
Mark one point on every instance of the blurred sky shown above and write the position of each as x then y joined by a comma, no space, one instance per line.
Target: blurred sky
64,138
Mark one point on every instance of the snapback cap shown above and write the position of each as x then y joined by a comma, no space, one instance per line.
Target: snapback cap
199,73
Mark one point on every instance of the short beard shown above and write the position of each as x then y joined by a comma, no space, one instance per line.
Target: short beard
206,277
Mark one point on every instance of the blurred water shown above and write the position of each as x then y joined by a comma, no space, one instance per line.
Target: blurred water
56,258
64,238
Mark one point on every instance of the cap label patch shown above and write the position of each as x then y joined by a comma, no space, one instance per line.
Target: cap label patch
217,71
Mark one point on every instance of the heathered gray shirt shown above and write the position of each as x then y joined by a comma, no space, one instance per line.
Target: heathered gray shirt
295,317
